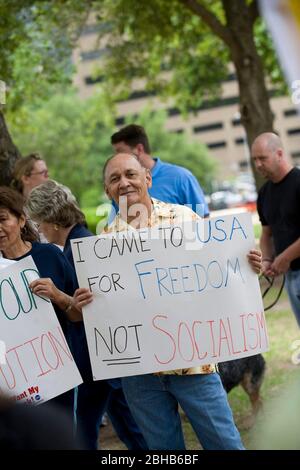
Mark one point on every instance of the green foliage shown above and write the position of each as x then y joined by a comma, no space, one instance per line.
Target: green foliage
148,39
257,231
36,45
72,135
145,39
96,217
90,197
74,138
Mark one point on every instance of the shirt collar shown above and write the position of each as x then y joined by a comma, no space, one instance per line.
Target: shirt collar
161,210
156,167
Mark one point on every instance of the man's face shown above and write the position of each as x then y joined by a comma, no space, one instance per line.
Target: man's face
266,160
126,178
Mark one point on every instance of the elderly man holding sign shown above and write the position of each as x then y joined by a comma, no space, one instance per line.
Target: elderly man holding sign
154,397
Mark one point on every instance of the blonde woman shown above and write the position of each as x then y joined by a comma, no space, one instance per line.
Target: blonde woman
28,173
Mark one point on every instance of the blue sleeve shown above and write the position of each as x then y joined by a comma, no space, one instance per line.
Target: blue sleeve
51,262
68,253
193,195
71,283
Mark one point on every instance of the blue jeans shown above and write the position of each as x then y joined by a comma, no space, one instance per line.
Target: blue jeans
122,420
292,284
154,400
94,398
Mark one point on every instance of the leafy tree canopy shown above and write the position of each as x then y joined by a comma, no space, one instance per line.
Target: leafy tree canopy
36,44
165,41
72,135
74,138
150,37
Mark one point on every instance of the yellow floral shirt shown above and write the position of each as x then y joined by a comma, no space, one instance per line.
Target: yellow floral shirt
165,213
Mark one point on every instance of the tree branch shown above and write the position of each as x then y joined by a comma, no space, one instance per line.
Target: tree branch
253,11
209,18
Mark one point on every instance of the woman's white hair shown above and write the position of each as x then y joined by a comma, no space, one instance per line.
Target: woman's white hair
53,202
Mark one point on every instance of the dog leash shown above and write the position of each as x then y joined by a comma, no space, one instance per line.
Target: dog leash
270,281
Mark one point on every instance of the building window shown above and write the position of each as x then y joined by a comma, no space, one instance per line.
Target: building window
92,81
290,112
216,145
208,127
219,102
230,78
120,121
138,94
243,164
295,154
96,28
208,105
173,112
294,131
92,55
239,141
177,131
236,122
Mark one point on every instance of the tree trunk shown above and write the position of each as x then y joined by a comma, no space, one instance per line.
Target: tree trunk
256,114
8,153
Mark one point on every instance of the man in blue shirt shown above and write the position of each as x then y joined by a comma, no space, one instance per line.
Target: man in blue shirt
170,183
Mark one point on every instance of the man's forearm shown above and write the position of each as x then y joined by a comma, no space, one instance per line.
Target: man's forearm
267,247
293,251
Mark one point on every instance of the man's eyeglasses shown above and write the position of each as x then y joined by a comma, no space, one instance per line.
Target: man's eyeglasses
43,172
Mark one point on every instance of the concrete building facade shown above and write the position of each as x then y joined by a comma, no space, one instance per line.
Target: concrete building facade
215,124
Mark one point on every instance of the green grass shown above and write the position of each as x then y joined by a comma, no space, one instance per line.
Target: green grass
257,231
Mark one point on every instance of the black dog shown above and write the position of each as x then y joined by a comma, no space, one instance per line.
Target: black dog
247,372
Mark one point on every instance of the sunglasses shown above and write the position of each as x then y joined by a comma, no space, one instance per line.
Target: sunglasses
43,172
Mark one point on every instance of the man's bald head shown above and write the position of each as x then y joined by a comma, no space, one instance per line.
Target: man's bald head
269,140
117,155
269,157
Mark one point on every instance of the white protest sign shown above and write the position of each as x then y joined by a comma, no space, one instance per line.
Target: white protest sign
164,302
38,364
4,263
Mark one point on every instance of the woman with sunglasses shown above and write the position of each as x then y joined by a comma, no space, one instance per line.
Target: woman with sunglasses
28,173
